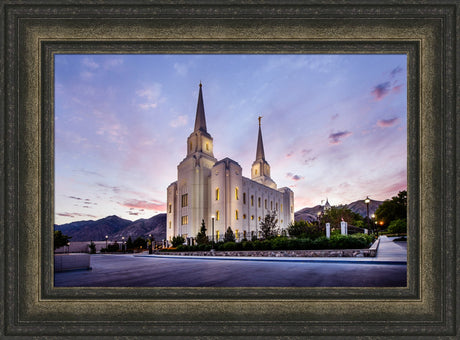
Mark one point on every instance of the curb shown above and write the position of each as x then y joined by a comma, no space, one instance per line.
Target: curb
277,259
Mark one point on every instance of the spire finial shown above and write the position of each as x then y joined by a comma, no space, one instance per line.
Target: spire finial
260,118
200,83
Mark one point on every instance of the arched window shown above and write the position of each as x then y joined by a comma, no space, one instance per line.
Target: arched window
258,201
217,215
207,146
191,146
265,203
236,193
244,216
217,194
244,198
271,205
236,214
217,235
252,217
259,218
252,200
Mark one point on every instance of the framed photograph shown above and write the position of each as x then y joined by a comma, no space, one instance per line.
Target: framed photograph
39,36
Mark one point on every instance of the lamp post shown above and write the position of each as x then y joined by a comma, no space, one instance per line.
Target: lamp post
367,201
212,220
106,239
68,247
123,244
150,245
372,223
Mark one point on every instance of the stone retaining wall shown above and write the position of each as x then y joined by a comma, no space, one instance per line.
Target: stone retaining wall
282,253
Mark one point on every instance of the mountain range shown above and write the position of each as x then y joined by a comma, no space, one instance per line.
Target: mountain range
116,227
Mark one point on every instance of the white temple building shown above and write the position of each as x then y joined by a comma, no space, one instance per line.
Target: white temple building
209,189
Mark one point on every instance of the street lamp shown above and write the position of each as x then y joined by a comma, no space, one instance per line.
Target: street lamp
212,219
123,244
106,239
367,201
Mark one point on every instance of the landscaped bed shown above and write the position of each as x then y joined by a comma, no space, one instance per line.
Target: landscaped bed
335,246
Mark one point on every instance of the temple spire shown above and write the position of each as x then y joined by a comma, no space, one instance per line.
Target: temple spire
260,154
200,120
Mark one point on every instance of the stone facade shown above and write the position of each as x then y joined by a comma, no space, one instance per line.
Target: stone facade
207,188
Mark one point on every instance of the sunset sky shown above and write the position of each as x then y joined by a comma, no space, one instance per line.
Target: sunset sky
334,126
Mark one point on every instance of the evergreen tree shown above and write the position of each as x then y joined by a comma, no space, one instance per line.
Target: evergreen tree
201,237
129,243
229,236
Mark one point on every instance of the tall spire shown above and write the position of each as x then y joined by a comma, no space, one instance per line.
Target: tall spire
200,120
260,154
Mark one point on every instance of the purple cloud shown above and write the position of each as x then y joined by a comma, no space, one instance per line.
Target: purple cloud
334,117
381,90
67,214
336,138
114,189
294,177
396,70
383,123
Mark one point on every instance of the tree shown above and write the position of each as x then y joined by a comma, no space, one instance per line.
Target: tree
140,243
92,248
201,237
268,226
398,226
129,243
305,229
60,240
177,241
393,209
335,215
229,236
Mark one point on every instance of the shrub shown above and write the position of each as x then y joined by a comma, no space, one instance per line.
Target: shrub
279,243
177,240
227,246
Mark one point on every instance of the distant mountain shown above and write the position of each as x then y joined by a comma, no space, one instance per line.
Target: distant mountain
115,227
311,214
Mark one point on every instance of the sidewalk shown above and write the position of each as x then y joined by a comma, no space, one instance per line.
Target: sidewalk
389,252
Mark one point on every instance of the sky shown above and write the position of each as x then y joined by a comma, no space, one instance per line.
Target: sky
334,126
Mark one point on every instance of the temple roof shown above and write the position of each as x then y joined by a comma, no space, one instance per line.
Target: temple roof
200,119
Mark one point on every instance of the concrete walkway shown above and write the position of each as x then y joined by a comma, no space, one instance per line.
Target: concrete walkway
389,252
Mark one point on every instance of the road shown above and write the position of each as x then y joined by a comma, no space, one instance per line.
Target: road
131,271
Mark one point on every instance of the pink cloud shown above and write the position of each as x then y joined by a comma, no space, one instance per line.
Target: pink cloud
141,204
383,123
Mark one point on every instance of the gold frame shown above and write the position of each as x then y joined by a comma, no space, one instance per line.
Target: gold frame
35,32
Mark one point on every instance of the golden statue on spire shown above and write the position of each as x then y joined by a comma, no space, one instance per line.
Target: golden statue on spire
260,117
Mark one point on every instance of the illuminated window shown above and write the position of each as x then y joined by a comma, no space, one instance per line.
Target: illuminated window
258,201
292,208
217,215
169,224
191,145
184,220
217,235
265,204
236,234
255,171
252,217
236,214
169,207
207,147
259,218
252,200
281,208
244,234
236,193
277,206
184,200
244,198
217,194
244,216
281,221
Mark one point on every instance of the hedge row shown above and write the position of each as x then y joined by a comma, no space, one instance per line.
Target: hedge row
356,241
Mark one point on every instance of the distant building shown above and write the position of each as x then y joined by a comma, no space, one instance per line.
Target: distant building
207,188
